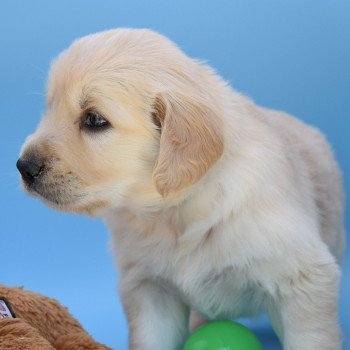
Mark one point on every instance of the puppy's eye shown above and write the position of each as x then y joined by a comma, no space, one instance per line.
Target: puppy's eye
94,121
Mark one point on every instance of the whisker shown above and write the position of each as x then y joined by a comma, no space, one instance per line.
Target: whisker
39,69
35,93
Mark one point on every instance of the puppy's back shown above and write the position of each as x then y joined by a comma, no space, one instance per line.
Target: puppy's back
316,157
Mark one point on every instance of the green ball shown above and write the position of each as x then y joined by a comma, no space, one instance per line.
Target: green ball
223,335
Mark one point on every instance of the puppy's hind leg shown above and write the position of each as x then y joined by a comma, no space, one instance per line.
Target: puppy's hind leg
307,310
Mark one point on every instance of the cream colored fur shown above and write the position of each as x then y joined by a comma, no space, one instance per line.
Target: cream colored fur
229,210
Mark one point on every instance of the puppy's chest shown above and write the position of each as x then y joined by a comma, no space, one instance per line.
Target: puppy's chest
216,290
223,293
218,277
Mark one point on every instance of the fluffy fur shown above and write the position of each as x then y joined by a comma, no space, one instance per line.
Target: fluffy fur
214,204
41,323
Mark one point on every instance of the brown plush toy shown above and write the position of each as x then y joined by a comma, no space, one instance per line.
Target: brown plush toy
30,321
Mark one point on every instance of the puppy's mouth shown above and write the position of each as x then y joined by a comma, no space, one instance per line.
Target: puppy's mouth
60,193
59,189
53,193
56,189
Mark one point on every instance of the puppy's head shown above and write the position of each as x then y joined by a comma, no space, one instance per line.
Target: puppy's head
128,123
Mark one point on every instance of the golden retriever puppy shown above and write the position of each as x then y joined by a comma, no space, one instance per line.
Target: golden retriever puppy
214,204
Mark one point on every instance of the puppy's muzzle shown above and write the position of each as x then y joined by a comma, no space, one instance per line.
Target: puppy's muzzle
30,169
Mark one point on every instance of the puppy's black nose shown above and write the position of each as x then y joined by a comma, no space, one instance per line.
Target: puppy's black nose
29,169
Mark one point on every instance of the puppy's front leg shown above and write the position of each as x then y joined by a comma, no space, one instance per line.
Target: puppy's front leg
307,309
157,318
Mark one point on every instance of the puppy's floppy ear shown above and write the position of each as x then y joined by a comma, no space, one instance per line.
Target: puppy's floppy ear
191,141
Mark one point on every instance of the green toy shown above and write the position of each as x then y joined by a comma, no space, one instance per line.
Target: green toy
223,335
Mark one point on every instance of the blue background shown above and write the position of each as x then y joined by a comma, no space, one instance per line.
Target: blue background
290,55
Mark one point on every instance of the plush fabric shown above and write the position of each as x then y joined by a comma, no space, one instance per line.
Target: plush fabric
41,323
